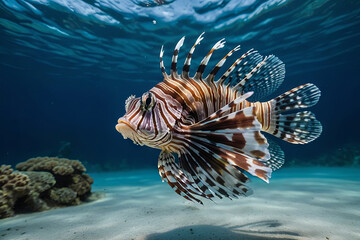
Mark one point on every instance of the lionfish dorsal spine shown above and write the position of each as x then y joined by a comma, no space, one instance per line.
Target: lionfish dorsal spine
162,67
217,67
173,70
204,62
222,79
251,73
186,68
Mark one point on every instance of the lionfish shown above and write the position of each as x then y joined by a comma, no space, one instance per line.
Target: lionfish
208,132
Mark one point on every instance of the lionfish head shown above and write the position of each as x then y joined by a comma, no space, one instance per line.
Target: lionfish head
143,122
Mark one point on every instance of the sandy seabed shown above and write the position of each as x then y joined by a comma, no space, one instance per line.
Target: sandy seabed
299,203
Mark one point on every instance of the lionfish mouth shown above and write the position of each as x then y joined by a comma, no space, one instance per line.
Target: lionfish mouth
126,130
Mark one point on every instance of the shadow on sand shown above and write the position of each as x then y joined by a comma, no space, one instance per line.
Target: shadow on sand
250,231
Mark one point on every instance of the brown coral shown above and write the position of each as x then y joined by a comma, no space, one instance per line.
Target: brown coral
14,182
40,181
81,184
64,196
44,182
55,165
6,209
13,186
68,173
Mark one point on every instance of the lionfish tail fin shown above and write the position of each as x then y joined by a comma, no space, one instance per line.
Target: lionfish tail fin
300,127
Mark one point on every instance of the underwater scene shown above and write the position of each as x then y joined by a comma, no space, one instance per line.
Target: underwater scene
179,119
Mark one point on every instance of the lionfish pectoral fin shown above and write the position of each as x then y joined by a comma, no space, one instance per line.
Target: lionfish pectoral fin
215,177
300,127
171,173
277,156
233,139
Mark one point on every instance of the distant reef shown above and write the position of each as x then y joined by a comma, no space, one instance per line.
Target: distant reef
43,183
348,155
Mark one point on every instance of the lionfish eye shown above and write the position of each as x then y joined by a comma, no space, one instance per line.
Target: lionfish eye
147,101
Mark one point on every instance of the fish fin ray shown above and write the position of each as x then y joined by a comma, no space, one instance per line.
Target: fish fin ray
211,175
204,62
300,127
186,67
224,78
217,67
277,156
171,173
173,70
296,128
262,76
304,96
234,138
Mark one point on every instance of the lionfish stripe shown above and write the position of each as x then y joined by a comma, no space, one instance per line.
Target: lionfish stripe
183,179
186,68
187,166
204,62
243,120
161,94
183,92
200,92
189,186
225,108
173,71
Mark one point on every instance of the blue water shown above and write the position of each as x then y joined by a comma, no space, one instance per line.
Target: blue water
68,66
